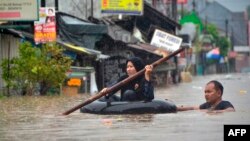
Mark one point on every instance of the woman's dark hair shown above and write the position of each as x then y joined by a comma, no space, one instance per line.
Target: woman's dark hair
217,85
137,62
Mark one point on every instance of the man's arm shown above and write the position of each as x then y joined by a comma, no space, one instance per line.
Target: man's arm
186,108
229,109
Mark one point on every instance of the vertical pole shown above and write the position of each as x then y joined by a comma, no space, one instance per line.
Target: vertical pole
8,87
56,5
182,10
232,49
205,24
226,27
92,8
43,3
86,9
194,5
85,78
174,9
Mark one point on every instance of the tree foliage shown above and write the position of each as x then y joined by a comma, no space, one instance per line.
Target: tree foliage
36,69
212,30
224,45
222,42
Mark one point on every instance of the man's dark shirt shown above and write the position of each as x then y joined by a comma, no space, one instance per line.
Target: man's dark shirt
221,106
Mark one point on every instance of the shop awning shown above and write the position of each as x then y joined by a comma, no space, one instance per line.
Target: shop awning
68,46
19,33
80,49
79,32
77,49
14,26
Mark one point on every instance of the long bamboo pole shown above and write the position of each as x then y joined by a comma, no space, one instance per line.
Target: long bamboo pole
121,83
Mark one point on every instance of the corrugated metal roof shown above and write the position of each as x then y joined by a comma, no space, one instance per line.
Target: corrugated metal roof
82,49
69,46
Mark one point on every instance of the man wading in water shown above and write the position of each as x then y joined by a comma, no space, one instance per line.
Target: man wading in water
214,102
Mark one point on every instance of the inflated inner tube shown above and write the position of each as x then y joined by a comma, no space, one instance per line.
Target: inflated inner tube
125,107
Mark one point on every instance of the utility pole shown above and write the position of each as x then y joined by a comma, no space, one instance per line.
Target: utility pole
232,49
92,9
8,75
43,3
182,10
56,5
226,27
174,9
194,5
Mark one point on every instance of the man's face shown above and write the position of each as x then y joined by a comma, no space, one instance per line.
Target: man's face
211,94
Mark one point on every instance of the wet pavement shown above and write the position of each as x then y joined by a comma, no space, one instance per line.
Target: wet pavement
39,119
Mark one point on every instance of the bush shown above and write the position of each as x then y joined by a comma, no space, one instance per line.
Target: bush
36,70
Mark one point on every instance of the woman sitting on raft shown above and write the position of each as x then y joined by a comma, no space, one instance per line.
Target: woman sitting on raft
139,89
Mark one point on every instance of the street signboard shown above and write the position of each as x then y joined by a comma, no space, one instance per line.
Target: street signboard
19,10
128,7
166,41
45,28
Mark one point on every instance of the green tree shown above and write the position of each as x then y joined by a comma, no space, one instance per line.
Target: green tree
36,68
222,42
224,45
212,30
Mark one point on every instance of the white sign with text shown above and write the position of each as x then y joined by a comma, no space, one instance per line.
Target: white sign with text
166,41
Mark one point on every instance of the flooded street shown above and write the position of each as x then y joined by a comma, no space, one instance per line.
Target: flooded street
38,118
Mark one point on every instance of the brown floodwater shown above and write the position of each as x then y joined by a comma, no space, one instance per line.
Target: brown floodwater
38,118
